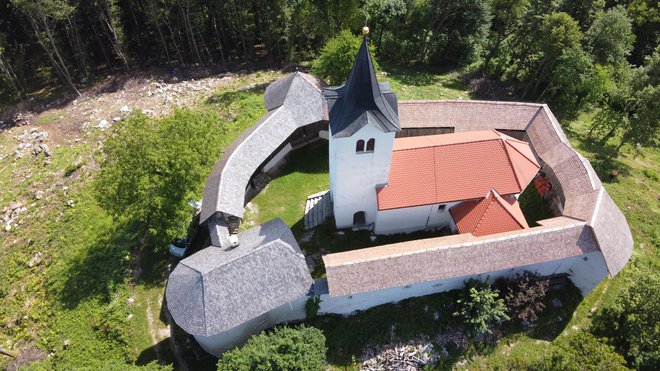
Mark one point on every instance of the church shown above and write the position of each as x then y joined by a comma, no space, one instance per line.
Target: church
461,182
455,166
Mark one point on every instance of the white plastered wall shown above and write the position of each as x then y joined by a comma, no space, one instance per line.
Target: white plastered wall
410,219
354,176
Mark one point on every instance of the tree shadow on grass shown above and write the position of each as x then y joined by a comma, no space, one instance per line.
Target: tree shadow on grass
101,268
109,262
604,158
228,97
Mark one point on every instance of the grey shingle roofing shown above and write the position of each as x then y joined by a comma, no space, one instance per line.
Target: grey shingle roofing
361,100
293,101
217,289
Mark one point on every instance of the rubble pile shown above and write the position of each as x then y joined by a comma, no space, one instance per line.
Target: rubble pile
33,141
405,357
10,213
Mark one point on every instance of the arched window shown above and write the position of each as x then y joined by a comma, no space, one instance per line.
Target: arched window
359,146
359,218
371,144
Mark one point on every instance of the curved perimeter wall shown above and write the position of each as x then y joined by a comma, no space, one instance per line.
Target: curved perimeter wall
588,212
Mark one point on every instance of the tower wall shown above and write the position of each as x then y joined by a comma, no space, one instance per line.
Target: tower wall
355,176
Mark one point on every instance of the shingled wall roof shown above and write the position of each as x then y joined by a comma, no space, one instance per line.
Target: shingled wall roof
595,221
217,289
293,101
411,262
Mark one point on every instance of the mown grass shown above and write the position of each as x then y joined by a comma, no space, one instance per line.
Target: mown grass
304,173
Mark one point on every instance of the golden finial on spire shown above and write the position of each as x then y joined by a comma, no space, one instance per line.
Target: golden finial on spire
365,31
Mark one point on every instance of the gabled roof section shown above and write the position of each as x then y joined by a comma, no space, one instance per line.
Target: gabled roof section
444,168
361,100
218,289
490,215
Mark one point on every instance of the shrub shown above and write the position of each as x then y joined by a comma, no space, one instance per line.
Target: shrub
480,307
582,351
284,348
312,306
153,167
632,323
523,295
336,59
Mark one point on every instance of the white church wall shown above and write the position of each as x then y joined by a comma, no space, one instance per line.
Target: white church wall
354,176
588,271
410,219
403,220
350,303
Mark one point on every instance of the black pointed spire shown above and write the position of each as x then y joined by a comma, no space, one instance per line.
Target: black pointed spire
362,100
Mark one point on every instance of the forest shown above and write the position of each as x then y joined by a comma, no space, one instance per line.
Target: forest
566,53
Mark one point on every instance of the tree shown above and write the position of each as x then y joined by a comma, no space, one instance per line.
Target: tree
581,351
558,33
632,323
153,167
284,348
583,11
42,14
384,13
8,72
630,107
523,295
610,37
574,82
336,59
480,307
506,14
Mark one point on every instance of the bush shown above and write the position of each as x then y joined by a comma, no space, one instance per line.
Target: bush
337,56
153,167
480,307
523,295
632,323
582,351
284,348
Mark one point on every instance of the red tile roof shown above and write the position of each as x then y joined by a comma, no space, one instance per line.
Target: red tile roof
492,214
454,167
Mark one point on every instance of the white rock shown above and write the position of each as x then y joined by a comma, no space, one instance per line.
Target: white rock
103,124
124,109
116,119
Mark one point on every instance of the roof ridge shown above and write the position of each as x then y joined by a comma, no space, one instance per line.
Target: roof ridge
206,322
507,207
508,156
445,144
483,215
522,154
516,165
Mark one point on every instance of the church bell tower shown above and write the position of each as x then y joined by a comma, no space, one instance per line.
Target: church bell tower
363,122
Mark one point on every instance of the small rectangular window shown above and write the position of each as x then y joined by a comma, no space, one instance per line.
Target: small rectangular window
441,208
